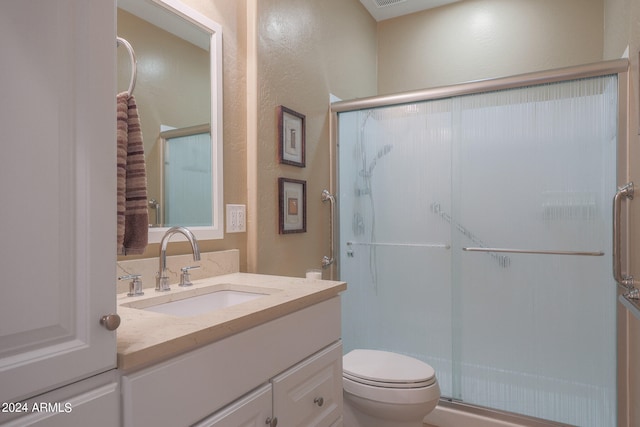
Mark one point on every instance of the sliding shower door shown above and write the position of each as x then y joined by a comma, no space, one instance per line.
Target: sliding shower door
534,326
394,253
475,234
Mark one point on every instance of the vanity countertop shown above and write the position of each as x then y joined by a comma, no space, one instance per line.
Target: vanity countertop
146,337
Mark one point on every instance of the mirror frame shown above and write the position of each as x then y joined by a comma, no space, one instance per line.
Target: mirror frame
216,230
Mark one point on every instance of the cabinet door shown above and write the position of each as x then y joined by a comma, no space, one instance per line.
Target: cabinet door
310,393
57,181
92,402
253,410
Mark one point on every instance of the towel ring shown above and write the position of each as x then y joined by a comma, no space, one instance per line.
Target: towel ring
132,57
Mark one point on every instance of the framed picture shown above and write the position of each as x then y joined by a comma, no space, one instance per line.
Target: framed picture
291,135
292,194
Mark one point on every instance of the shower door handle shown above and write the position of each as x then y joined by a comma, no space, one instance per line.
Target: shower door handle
624,280
328,197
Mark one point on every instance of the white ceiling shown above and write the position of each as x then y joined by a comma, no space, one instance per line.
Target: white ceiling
386,9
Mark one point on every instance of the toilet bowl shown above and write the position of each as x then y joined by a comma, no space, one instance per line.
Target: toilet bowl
384,389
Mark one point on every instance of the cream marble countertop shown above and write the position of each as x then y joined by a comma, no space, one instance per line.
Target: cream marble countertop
146,337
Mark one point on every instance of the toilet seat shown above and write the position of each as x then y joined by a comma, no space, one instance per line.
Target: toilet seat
388,370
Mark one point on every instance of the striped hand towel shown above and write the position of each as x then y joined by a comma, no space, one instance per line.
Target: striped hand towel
133,215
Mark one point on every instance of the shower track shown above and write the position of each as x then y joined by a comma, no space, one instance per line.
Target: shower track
615,66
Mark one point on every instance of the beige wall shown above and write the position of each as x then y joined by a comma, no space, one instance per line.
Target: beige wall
480,39
303,51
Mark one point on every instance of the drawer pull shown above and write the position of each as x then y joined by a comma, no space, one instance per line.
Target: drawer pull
318,401
271,422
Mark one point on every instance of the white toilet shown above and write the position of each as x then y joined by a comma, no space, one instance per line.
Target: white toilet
384,389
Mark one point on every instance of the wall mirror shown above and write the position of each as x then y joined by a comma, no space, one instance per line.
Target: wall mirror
178,92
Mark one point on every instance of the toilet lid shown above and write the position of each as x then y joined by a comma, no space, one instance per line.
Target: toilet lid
383,368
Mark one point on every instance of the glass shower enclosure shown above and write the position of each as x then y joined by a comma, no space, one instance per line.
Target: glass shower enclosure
475,234
186,176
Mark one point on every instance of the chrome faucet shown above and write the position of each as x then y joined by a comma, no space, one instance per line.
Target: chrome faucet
162,280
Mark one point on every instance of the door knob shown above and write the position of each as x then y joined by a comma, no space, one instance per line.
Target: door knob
110,321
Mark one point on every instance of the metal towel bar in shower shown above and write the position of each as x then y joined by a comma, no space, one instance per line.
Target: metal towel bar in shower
533,251
328,197
411,245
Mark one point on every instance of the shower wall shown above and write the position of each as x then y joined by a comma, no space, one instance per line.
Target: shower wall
426,190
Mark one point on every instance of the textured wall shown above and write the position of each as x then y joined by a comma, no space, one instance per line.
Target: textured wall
480,39
303,50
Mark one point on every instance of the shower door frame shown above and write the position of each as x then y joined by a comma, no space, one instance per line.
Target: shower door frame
617,66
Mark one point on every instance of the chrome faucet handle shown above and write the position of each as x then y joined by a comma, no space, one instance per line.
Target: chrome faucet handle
135,286
185,276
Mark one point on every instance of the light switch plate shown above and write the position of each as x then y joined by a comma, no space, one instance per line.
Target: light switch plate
236,218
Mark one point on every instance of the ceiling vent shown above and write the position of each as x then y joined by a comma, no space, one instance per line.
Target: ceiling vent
385,3
386,9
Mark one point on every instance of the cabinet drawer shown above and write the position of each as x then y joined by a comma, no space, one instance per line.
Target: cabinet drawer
252,410
310,393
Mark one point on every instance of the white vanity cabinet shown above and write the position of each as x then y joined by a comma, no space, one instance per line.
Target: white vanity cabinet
58,186
274,370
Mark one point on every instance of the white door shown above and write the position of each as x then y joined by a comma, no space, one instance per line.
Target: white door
58,196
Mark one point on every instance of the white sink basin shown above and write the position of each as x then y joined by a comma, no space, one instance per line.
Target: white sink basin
204,303
190,304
